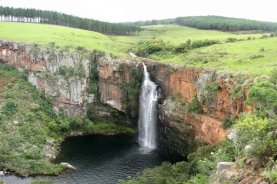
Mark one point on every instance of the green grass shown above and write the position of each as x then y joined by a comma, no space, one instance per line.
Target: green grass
176,34
62,36
253,57
24,115
243,56
118,45
179,34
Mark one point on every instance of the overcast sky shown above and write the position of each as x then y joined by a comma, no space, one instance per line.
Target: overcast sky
134,10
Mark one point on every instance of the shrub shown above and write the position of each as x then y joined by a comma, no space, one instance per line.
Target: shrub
145,48
52,44
69,71
228,122
257,132
203,43
194,106
166,173
273,77
262,49
132,88
264,36
256,56
80,48
230,40
183,47
212,87
198,179
264,94
271,174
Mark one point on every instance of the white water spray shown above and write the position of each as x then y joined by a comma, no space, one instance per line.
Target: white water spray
147,113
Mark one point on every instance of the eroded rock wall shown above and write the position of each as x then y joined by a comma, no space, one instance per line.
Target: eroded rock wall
62,76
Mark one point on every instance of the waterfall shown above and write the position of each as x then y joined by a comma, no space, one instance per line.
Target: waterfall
147,113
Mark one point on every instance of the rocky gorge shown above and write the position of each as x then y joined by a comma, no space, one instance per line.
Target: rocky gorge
82,83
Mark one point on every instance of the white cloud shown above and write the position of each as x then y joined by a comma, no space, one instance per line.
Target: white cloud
133,10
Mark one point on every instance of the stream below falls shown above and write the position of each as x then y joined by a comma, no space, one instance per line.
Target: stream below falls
100,159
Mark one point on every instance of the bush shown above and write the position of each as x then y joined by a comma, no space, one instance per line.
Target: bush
228,122
145,48
264,36
258,133
203,43
166,173
198,179
212,87
256,56
69,71
271,174
183,47
194,106
230,40
264,94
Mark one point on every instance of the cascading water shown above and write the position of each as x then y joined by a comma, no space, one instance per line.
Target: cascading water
147,113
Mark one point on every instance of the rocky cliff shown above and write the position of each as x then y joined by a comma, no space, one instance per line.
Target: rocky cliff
193,105
62,76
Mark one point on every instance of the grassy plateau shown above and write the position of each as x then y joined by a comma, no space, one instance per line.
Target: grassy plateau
255,56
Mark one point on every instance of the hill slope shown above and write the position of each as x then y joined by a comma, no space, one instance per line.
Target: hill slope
255,57
52,17
214,23
118,45
251,56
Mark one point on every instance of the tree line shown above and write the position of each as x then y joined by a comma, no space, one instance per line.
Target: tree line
51,17
214,23
225,23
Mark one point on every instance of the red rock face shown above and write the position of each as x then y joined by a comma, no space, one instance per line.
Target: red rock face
184,83
207,129
207,126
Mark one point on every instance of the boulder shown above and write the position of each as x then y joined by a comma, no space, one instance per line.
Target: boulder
67,165
233,134
224,165
225,171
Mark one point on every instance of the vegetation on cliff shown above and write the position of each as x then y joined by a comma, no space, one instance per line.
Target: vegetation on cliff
31,131
256,139
22,143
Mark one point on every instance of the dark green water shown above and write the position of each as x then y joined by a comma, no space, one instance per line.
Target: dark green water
101,160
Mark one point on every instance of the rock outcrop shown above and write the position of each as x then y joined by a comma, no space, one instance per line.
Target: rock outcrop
62,76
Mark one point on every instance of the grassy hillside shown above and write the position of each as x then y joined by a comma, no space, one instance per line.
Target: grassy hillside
225,23
62,36
249,56
256,57
56,18
118,45
212,22
176,34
